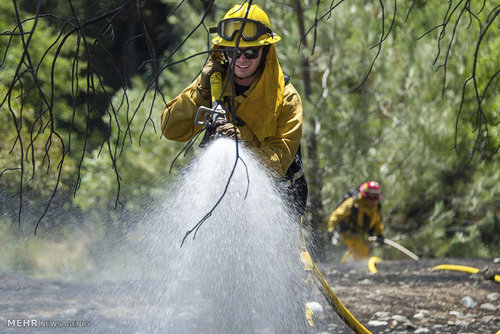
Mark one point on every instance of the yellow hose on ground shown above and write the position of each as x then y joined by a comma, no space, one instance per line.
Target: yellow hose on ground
330,296
467,269
371,264
327,292
470,270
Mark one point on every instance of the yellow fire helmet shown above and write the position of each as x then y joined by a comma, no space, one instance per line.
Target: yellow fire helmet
251,23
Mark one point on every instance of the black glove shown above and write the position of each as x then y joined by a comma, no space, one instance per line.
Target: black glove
218,123
210,67
228,130
380,239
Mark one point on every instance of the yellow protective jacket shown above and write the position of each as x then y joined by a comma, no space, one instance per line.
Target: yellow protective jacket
364,218
271,112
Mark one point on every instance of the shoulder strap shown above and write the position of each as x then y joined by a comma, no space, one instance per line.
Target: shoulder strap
354,192
354,216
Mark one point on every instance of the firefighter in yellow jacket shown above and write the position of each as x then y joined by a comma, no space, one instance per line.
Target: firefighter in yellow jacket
264,110
357,218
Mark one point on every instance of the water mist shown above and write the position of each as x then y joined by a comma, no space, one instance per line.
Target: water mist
240,272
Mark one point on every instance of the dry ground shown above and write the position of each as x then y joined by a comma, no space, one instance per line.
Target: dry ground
407,297
402,297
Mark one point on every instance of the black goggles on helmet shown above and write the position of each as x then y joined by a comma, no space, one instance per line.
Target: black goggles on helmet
250,30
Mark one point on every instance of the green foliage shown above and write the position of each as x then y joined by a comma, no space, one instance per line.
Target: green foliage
26,122
143,167
401,127
397,127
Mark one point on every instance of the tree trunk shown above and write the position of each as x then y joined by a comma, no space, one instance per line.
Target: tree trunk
313,168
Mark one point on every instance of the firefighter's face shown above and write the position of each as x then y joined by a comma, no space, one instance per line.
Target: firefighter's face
371,201
247,61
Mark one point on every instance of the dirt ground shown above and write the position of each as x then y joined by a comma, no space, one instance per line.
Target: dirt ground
402,297
407,297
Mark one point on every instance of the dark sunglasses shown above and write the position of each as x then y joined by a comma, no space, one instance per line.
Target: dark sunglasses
252,53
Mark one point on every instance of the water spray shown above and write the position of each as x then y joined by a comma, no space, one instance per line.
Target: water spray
209,118
243,273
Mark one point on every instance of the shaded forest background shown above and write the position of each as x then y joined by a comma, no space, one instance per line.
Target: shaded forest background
406,93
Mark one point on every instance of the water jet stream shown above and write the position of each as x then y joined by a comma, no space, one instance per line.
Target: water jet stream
242,273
